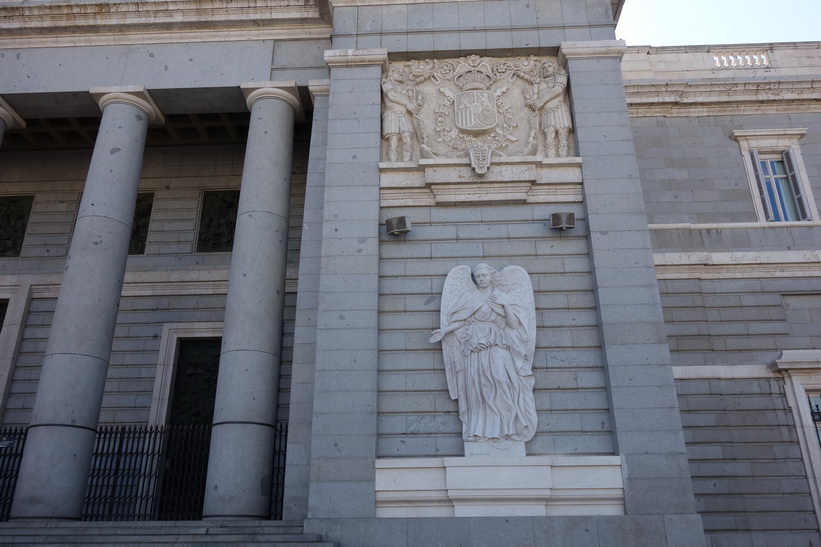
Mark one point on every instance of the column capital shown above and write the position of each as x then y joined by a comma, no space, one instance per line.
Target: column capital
319,87
597,49
356,57
134,95
282,90
10,116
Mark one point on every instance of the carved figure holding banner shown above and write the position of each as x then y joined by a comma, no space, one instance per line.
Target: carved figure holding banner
488,334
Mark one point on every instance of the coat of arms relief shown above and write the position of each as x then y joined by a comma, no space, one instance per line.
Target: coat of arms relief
475,107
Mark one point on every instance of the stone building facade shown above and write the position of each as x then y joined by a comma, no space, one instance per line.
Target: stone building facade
662,200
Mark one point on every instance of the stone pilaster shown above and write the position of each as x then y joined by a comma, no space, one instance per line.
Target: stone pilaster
343,444
647,426
242,440
297,468
8,118
57,456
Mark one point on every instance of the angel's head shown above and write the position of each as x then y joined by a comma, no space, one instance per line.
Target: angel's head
483,274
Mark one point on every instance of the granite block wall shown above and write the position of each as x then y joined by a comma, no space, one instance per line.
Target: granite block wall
462,28
740,321
416,415
748,476
691,169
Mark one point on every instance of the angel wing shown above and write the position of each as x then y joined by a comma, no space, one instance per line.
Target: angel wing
515,281
459,280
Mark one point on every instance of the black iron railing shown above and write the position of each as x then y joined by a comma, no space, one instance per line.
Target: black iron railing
280,443
148,473
141,472
12,441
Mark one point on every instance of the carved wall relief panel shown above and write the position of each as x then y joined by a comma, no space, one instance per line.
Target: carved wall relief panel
475,107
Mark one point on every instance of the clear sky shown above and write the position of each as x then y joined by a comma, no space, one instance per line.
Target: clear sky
690,22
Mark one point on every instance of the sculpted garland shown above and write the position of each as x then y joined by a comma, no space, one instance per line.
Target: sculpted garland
475,106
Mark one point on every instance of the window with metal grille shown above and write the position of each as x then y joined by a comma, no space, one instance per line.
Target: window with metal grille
14,217
218,218
139,227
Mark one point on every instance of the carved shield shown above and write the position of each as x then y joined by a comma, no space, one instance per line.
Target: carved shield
475,110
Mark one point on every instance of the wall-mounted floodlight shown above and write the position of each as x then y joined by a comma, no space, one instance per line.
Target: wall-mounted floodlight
562,221
398,225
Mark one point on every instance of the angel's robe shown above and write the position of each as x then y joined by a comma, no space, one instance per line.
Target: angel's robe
489,370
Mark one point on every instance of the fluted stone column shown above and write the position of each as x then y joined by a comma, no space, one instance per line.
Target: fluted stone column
8,119
57,455
242,439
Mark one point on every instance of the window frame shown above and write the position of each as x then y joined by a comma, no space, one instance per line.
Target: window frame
770,143
167,361
801,370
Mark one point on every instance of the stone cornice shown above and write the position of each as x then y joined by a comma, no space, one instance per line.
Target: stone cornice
62,23
356,57
723,98
600,49
738,265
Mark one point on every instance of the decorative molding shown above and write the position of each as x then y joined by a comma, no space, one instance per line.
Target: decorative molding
722,372
593,49
734,225
512,180
318,87
757,138
285,91
723,98
356,57
116,23
155,283
743,265
485,109
133,95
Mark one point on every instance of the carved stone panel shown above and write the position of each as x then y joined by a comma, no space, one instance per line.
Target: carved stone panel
476,108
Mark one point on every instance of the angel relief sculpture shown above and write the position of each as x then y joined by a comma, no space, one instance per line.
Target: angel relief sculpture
488,334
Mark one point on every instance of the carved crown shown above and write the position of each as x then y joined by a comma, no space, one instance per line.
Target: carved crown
474,78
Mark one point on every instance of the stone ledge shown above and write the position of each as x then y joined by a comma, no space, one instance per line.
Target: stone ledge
492,486
508,180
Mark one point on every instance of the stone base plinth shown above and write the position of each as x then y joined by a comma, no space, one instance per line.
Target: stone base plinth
507,449
499,486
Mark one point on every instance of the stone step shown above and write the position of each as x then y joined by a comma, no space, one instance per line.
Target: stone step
92,529
167,539
122,534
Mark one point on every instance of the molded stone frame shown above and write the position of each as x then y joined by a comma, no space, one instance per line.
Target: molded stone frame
17,291
167,359
802,375
774,141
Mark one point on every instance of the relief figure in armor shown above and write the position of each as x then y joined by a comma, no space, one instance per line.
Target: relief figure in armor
550,99
397,126
488,338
